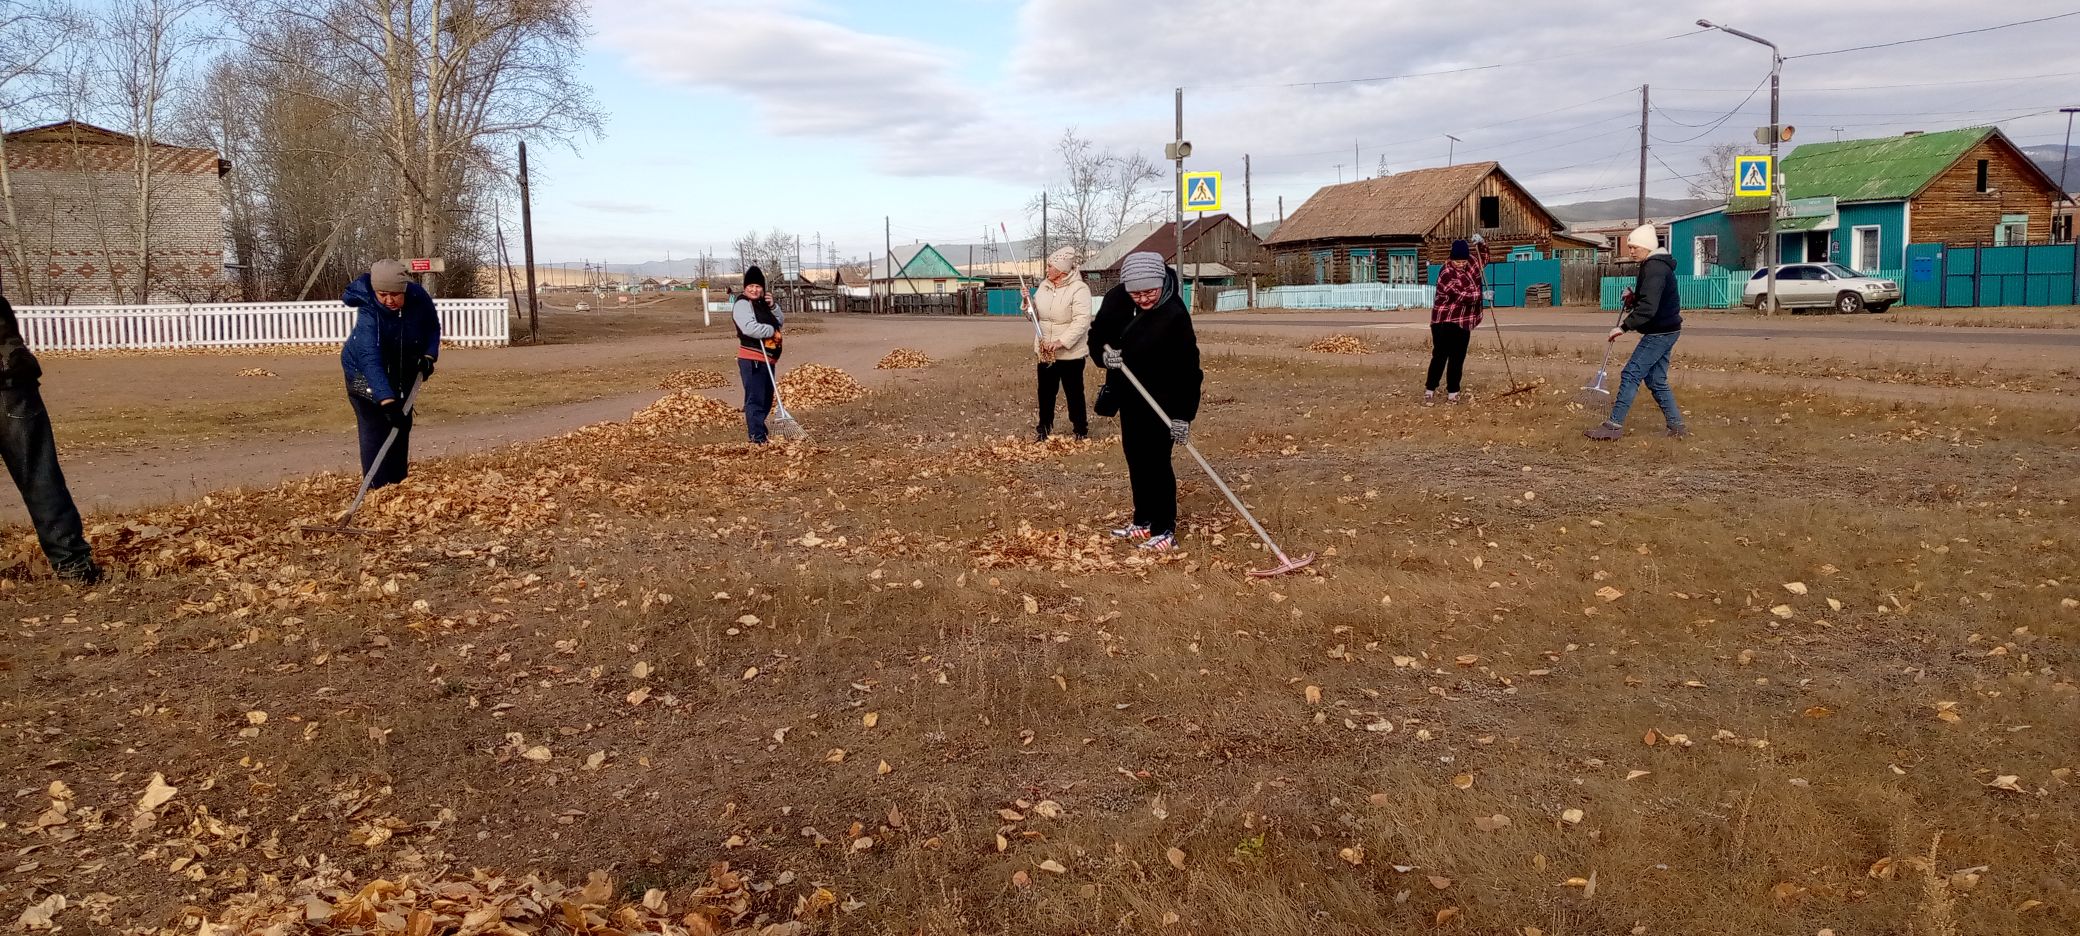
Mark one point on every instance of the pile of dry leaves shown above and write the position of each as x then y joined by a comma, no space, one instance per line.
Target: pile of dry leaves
813,385
692,380
257,372
904,359
1341,344
1016,450
1061,551
733,902
681,410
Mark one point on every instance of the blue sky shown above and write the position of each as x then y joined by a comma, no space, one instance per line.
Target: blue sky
815,116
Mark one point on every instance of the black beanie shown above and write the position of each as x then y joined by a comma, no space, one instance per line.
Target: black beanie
1460,251
753,276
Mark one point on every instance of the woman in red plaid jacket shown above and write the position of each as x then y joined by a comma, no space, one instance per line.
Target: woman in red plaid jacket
1453,317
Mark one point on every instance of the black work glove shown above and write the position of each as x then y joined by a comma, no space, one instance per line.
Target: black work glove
425,368
394,414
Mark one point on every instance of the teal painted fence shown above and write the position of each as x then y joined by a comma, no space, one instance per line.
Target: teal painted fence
1967,277
1004,302
1712,291
1508,281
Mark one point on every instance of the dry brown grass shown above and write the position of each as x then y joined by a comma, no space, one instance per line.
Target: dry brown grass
2046,317
913,631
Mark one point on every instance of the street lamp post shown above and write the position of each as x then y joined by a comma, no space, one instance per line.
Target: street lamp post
1451,148
1776,133
2065,158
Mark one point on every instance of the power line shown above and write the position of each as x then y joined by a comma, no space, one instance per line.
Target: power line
1715,125
1965,32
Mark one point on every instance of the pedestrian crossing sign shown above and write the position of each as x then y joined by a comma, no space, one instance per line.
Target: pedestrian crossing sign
1202,191
1751,176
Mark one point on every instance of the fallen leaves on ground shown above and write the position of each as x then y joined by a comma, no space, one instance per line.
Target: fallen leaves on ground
257,372
813,385
692,380
903,359
1341,344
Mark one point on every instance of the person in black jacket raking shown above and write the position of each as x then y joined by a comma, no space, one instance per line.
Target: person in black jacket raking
1656,313
1142,324
32,458
395,342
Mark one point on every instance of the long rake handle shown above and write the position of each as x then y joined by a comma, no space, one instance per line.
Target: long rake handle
1025,296
1208,468
381,452
775,379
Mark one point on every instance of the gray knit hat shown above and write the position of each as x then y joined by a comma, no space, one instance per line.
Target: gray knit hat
388,276
1142,271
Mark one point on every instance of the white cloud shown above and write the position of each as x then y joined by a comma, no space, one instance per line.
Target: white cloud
812,77
606,206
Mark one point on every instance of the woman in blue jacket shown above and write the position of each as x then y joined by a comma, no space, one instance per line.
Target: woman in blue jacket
396,339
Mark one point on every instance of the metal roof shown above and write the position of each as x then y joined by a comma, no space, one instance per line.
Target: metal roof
1405,204
1111,254
1889,169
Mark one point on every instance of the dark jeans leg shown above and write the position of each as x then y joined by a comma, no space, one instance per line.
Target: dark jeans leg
32,458
1050,379
1455,365
1072,390
758,397
373,430
1146,443
1438,356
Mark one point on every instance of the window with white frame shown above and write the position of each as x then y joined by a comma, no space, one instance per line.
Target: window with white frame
1864,249
1704,254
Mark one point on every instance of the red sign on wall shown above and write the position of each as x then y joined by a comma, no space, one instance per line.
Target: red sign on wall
427,265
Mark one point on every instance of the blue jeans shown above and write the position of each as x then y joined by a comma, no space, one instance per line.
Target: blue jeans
758,396
1649,362
32,459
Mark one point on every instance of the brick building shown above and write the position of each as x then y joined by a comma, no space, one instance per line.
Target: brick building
75,194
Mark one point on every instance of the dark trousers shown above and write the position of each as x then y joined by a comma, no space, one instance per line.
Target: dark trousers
1146,442
32,458
374,430
1068,376
1447,355
758,396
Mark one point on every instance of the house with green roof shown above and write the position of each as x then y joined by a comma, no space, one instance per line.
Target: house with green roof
918,269
1859,203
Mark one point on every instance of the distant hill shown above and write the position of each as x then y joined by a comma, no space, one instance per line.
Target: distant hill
2048,158
1619,208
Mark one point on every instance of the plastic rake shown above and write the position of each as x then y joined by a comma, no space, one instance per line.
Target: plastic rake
1285,564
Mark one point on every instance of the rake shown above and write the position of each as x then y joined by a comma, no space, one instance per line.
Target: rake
1285,564
1025,298
1598,390
783,421
340,526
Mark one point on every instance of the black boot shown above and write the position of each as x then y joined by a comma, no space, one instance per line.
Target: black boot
1040,435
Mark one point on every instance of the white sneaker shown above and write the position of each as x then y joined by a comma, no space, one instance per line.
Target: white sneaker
1132,531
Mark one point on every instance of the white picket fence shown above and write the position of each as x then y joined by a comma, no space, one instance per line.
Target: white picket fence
469,323
1349,296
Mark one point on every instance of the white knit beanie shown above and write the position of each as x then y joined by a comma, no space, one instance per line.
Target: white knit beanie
1644,236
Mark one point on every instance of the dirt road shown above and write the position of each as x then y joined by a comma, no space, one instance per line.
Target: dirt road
112,480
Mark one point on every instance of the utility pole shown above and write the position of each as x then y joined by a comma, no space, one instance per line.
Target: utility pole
1177,206
1451,148
1339,173
1776,135
1356,164
2065,158
888,259
1642,155
1281,211
1249,220
534,311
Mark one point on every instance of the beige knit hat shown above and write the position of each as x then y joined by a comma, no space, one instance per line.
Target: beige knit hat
388,276
1063,260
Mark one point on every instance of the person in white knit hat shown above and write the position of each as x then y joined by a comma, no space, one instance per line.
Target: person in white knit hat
1061,306
1655,311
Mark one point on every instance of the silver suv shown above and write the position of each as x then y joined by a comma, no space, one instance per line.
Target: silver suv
1822,286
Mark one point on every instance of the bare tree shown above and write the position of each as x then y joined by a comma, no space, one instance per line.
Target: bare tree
30,32
143,45
1716,180
1098,195
435,87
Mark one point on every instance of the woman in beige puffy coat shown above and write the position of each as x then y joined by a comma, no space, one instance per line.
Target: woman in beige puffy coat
1062,308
